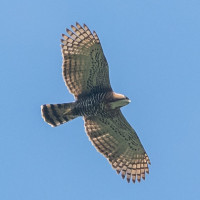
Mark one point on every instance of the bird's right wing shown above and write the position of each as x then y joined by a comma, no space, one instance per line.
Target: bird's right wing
85,69
113,136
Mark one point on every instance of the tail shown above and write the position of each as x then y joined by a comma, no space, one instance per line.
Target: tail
57,114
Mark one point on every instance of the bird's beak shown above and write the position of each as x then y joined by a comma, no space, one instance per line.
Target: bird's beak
128,99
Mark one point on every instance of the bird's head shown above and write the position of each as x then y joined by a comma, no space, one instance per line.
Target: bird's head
118,100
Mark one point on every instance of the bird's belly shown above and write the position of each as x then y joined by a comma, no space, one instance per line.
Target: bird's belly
89,107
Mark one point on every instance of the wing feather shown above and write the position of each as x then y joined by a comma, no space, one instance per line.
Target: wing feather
118,142
85,69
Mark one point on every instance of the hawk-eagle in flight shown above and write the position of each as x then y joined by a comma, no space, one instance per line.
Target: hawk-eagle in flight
85,72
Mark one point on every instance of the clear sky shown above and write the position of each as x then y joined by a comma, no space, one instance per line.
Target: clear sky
153,51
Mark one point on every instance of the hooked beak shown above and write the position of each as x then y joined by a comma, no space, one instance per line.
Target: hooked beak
128,99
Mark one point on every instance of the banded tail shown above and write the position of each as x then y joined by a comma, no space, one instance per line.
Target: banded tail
57,114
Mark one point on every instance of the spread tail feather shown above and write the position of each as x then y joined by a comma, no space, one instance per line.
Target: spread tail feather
57,114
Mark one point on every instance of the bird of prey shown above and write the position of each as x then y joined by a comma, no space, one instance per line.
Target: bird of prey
86,74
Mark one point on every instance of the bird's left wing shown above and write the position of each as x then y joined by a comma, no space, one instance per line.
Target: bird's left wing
113,136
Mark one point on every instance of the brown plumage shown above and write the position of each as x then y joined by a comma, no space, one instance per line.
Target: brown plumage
85,72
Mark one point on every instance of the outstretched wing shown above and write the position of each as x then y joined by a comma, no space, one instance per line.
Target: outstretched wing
85,68
118,142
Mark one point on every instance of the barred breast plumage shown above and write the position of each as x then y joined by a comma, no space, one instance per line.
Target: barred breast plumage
91,105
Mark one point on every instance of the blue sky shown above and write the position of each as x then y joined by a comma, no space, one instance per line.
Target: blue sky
153,51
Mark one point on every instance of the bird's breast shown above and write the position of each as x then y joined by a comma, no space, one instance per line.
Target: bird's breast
90,105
